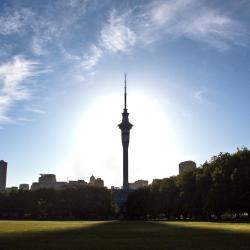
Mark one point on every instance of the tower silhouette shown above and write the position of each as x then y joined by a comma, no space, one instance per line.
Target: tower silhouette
125,127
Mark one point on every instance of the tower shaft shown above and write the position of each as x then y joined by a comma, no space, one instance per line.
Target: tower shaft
125,168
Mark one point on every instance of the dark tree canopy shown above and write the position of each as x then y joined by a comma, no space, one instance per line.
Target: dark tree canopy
219,186
69,203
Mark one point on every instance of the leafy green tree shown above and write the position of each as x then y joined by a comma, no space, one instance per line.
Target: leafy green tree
218,197
138,204
170,196
240,182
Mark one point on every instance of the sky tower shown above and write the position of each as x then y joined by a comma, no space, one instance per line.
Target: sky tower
125,127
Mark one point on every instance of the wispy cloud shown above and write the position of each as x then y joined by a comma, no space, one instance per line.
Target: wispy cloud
14,21
115,36
200,95
194,20
23,119
44,28
35,109
13,83
166,20
50,26
91,58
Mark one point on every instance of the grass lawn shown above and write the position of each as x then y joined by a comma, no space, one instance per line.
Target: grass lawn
123,235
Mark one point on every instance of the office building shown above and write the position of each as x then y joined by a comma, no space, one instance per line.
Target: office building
186,166
3,173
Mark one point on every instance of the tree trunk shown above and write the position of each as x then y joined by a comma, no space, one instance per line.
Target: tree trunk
237,215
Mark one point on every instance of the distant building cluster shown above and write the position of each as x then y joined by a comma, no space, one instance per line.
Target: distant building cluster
186,166
49,181
45,181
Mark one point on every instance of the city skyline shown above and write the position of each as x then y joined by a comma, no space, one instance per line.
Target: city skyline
61,82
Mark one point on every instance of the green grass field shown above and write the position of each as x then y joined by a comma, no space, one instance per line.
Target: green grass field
123,235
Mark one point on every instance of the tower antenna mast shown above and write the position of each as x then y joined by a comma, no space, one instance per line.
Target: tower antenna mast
125,92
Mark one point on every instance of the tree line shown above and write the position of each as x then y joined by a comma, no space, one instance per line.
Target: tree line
86,202
218,187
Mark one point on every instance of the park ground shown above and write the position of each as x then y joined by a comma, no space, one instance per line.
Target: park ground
123,235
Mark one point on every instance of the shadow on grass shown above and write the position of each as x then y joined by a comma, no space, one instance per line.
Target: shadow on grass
121,235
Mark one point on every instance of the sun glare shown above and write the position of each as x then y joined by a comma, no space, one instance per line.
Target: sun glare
98,150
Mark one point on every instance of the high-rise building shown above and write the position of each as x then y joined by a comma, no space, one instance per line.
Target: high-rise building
11,189
125,127
92,180
186,166
24,186
98,182
78,183
47,179
3,173
138,184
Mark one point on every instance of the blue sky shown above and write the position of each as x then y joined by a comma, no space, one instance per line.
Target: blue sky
61,81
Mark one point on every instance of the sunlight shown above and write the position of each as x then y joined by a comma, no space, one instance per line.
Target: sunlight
98,149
